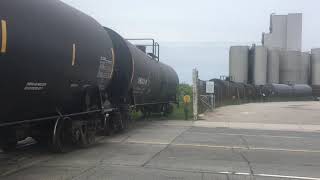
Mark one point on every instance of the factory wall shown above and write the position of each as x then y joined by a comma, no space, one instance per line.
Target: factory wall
278,32
294,32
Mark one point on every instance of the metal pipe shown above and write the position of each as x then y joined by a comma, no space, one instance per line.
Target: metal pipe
48,118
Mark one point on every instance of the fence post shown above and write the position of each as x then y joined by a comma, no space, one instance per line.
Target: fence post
212,102
195,94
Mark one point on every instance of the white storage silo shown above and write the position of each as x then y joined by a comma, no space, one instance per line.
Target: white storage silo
290,62
315,66
259,65
238,63
304,75
273,66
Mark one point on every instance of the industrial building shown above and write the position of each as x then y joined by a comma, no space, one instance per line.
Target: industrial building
279,59
285,32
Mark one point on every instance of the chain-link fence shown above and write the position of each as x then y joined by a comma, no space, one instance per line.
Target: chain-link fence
227,92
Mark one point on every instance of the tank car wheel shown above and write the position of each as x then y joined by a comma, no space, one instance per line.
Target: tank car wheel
163,110
146,113
118,123
169,109
87,136
126,120
61,142
108,129
90,100
87,131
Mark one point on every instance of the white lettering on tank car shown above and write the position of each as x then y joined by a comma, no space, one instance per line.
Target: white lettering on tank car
105,68
103,58
142,81
34,86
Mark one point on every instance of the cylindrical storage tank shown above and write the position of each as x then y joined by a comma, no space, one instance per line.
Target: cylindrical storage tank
315,66
259,65
304,75
290,62
273,66
238,63
302,90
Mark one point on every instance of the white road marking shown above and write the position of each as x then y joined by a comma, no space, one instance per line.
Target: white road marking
225,172
244,174
225,147
253,148
269,175
259,126
287,150
209,146
148,142
249,135
288,177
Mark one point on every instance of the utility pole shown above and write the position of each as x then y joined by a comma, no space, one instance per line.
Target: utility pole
195,94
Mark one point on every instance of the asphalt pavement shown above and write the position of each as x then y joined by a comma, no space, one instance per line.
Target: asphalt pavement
231,143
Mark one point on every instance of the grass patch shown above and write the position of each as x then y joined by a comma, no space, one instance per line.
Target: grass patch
178,113
136,115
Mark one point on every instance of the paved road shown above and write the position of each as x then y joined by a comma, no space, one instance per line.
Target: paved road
176,150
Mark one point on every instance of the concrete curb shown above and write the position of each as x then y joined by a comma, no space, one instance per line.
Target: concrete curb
260,126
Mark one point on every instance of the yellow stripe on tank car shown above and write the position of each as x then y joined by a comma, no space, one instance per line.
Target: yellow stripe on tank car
4,36
132,75
113,62
73,54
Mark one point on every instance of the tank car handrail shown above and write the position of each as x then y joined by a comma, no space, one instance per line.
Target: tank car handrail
158,49
154,103
155,46
144,39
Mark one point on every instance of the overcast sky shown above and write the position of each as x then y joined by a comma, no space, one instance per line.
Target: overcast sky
209,25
